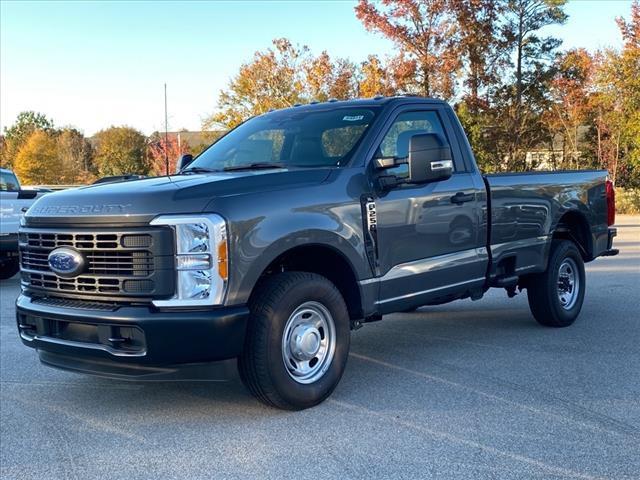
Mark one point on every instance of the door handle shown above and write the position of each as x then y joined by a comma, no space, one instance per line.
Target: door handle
462,197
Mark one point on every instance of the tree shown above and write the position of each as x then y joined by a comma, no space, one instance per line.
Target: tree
38,162
271,80
16,135
631,30
76,155
481,46
426,31
617,105
525,19
374,78
571,107
172,147
483,55
520,101
324,79
121,151
281,77
3,152
393,77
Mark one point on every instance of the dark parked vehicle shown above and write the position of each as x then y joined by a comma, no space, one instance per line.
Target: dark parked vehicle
293,229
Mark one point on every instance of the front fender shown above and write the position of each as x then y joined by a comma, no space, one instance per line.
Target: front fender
269,237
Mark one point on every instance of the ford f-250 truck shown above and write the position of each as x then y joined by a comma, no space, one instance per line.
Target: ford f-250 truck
290,231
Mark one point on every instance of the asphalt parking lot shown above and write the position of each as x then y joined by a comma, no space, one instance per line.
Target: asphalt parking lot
469,390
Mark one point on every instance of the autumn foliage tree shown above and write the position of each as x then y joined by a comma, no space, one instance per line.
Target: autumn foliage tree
481,45
172,147
17,134
76,155
280,77
38,161
426,32
616,106
571,107
271,80
121,151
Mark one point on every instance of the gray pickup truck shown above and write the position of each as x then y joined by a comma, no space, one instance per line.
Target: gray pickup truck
290,231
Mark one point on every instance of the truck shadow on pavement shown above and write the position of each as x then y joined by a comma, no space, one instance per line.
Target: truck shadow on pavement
430,331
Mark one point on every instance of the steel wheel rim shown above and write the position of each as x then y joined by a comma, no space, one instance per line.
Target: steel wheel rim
568,283
308,342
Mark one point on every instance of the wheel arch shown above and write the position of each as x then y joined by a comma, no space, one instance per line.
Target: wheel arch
324,260
573,225
334,258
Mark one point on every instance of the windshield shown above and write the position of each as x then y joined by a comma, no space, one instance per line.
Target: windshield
290,138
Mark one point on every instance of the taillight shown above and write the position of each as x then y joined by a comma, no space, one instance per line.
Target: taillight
611,202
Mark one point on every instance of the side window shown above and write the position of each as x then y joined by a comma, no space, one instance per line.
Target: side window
8,182
406,125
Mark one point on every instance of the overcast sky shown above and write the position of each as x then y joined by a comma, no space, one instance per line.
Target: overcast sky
96,64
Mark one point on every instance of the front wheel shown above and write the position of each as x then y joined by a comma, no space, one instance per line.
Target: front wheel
297,341
556,295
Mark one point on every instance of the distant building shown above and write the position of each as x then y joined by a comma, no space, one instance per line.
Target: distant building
559,154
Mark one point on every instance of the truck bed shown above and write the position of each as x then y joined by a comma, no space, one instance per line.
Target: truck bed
526,209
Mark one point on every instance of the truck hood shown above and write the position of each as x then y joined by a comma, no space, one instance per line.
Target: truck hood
139,201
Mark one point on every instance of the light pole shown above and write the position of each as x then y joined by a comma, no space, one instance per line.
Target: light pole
166,133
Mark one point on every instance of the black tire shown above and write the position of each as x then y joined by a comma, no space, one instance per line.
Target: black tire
543,288
261,365
9,268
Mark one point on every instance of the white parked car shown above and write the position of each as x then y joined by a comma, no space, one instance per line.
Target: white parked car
13,202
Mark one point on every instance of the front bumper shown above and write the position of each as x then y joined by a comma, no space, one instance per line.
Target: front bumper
128,341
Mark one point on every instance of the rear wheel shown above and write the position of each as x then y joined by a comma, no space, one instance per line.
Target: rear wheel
297,341
9,268
556,295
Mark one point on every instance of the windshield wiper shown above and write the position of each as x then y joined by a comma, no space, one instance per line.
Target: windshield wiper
254,166
198,170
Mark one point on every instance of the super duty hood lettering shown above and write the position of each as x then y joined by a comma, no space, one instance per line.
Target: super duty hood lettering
55,210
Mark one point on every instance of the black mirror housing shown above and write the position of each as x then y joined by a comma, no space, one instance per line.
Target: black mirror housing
184,160
27,194
429,158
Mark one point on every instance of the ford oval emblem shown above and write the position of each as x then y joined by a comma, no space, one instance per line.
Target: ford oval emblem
66,262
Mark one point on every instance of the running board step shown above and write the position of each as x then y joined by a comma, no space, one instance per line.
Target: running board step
505,282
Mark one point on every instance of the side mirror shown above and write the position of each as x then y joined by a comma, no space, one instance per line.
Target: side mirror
429,158
27,194
184,160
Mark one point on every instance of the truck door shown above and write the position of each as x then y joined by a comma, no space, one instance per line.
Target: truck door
429,241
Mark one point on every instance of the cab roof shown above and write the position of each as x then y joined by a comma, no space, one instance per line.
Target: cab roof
363,102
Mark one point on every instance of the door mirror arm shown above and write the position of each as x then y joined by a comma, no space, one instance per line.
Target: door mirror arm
382,163
385,181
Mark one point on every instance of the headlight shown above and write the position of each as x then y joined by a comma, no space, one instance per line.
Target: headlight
201,259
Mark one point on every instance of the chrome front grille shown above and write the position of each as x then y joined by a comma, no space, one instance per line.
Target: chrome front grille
136,263
129,264
100,241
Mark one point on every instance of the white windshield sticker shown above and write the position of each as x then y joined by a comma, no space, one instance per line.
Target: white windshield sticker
352,118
